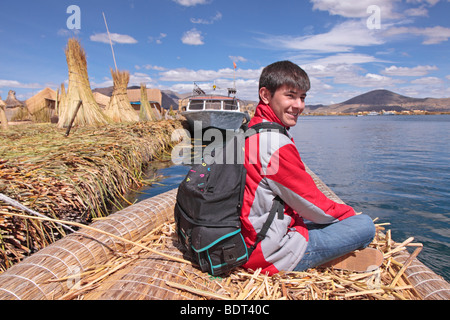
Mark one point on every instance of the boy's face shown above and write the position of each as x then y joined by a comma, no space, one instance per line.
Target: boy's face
287,103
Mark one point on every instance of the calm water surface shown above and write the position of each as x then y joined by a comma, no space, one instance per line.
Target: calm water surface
396,168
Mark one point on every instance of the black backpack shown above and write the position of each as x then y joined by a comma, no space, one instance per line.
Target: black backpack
209,201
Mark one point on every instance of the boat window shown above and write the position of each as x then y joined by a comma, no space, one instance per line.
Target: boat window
213,104
196,105
230,105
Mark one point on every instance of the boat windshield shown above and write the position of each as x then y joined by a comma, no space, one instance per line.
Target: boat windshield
213,104
196,105
230,105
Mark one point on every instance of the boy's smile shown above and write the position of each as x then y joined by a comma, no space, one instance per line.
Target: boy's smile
287,103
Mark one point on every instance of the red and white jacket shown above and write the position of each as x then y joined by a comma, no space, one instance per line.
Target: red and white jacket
274,167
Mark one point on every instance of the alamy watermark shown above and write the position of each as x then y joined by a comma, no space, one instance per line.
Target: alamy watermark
73,277
74,20
374,20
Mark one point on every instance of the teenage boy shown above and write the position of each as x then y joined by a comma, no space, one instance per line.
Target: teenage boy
274,168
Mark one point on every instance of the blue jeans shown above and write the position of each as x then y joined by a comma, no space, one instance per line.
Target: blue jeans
330,241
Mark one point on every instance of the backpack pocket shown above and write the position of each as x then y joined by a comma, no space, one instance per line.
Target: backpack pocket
219,249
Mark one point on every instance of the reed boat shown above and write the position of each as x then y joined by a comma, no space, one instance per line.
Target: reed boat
133,255
205,111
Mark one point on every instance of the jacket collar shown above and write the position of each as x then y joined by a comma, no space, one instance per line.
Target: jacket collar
265,112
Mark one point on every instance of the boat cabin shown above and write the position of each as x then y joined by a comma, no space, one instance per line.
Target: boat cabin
213,103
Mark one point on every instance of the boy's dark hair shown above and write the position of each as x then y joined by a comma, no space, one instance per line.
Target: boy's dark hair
282,73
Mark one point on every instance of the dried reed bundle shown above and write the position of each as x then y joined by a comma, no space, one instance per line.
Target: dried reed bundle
79,89
3,118
147,113
119,108
62,100
74,178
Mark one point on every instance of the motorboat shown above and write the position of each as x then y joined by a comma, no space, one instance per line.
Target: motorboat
214,111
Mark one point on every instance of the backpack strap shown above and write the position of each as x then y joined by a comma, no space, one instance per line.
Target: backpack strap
277,207
256,128
278,203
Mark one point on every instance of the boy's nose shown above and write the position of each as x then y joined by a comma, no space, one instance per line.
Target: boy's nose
300,104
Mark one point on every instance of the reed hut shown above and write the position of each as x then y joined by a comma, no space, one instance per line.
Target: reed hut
89,114
119,108
42,106
102,100
15,109
3,119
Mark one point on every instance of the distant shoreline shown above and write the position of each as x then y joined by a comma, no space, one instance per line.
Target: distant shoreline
366,113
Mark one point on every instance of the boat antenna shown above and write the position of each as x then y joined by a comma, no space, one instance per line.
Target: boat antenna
197,90
232,91
110,42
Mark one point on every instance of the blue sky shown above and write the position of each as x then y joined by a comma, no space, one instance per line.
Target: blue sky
346,47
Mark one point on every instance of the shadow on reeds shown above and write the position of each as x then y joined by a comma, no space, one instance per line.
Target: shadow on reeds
77,178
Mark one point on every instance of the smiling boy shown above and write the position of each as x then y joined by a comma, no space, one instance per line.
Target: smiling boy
274,168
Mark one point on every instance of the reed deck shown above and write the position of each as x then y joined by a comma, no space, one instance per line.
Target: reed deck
131,274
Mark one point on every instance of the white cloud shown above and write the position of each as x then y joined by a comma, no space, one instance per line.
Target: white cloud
137,78
430,2
427,81
342,38
158,39
183,74
150,67
115,38
237,59
68,33
432,35
217,17
191,3
367,80
192,37
17,84
354,9
347,58
417,12
408,72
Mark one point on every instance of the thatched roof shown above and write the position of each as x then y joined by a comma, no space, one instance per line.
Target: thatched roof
102,100
11,101
37,102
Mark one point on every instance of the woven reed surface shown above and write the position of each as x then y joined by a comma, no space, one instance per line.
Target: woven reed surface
32,278
430,285
144,275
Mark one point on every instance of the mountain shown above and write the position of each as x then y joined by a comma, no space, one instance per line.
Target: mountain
378,100
380,97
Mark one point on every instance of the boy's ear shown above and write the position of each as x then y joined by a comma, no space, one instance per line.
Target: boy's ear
265,95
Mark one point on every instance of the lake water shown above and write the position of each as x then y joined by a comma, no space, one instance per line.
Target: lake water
396,168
